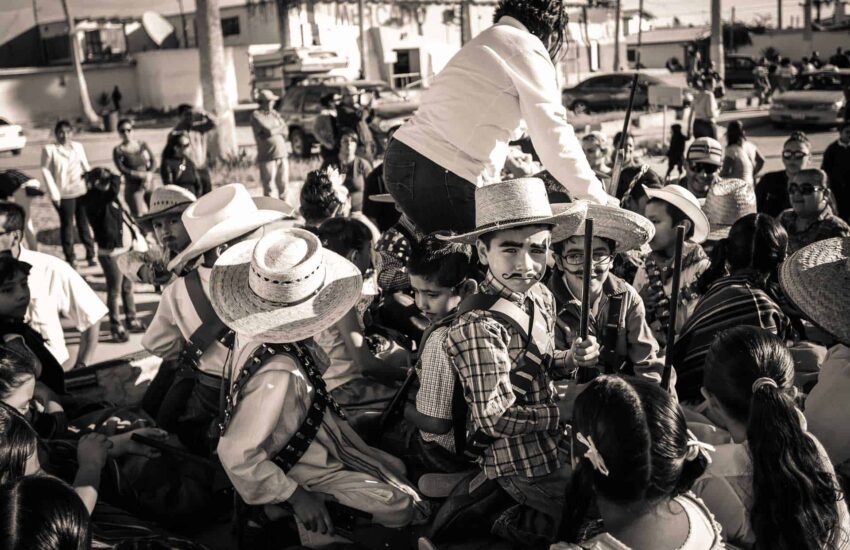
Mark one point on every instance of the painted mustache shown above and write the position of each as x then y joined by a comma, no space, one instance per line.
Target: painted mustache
523,276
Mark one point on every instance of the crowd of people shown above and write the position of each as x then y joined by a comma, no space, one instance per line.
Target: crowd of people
437,352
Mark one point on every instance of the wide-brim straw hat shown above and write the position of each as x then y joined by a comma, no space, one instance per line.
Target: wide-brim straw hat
283,287
222,215
167,200
627,229
516,203
383,198
727,201
687,202
816,279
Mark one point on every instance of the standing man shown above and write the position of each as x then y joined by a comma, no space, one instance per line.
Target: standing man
270,133
350,115
63,164
197,123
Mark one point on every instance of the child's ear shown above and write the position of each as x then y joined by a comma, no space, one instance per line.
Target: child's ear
482,251
467,288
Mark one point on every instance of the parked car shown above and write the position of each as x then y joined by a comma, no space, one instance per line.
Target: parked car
12,137
610,92
814,99
301,105
739,70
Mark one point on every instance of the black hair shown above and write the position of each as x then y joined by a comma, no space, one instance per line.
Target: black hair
14,216
183,108
487,238
14,368
677,128
843,124
735,133
440,262
559,246
319,198
641,434
63,123
18,442
545,19
11,266
677,215
619,136
348,132
171,143
43,513
343,235
798,136
756,242
124,121
794,499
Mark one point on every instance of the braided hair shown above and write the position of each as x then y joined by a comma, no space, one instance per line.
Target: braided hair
545,19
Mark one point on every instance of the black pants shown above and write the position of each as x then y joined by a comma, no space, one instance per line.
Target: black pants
71,210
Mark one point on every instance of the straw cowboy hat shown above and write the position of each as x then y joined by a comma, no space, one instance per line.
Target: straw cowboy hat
283,287
166,200
816,279
685,201
627,229
728,201
519,202
222,215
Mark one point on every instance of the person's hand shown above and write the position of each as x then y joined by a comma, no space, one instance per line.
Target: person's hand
585,353
654,298
311,511
124,444
92,451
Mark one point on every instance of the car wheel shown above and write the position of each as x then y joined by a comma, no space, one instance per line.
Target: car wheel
580,107
16,152
300,143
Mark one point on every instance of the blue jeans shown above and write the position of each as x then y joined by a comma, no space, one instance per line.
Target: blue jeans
432,197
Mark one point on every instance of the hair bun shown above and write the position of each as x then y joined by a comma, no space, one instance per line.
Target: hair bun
762,382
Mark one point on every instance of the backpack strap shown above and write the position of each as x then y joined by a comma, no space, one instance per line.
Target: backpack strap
298,444
211,329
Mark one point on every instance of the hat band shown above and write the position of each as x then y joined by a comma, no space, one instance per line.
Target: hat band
292,303
313,282
495,226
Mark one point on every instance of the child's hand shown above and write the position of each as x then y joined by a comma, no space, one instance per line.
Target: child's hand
585,353
311,511
125,445
92,451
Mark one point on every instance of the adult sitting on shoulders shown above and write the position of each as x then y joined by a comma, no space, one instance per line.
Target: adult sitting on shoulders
499,83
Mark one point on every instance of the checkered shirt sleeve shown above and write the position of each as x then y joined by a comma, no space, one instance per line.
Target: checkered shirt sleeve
436,385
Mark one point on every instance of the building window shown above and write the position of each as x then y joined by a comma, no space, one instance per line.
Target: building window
230,26
631,55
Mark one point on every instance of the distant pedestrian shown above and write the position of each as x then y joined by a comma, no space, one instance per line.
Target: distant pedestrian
136,163
177,168
816,60
704,112
761,81
676,151
116,98
839,59
63,165
197,123
806,66
785,74
270,133
742,159
325,128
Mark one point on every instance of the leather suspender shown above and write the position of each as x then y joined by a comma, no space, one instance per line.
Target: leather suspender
298,444
610,359
211,329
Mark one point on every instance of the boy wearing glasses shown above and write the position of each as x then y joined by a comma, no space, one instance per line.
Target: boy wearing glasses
617,314
702,166
810,218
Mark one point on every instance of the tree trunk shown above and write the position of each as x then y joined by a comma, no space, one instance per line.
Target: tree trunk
74,44
314,27
283,8
222,144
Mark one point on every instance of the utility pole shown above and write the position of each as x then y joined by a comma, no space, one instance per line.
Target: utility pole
807,25
183,24
732,32
640,35
779,15
717,37
361,8
617,23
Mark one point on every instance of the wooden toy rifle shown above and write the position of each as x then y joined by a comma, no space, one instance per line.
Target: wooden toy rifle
674,306
584,374
619,152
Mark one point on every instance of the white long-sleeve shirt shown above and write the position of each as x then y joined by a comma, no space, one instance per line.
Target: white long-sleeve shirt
499,83
63,167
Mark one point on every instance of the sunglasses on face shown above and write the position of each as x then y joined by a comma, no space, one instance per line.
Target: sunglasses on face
705,168
803,188
797,155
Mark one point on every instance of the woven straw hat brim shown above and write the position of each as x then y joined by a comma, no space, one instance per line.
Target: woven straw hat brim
816,279
719,232
564,224
257,319
691,210
383,198
175,209
626,228
224,232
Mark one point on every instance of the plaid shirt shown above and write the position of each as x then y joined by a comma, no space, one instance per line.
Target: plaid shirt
483,350
436,386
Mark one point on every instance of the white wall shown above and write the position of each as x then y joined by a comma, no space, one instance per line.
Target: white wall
790,43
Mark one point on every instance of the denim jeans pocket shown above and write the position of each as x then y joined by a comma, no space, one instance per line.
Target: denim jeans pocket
399,179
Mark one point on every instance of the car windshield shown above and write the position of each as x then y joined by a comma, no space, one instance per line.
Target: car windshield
819,81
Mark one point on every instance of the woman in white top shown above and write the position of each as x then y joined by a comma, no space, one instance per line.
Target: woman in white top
704,111
742,159
497,85
63,164
634,462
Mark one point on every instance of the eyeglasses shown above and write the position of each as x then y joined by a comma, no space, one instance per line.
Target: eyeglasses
577,258
803,188
706,168
797,155
125,130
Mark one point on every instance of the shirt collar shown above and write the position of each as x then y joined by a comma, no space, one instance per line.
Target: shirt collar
512,22
492,285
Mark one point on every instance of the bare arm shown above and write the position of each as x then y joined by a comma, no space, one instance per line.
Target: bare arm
88,343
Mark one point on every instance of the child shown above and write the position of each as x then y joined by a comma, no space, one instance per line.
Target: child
617,314
667,208
836,164
771,484
185,328
441,275
115,233
595,148
810,218
676,151
516,426
634,462
323,198
284,439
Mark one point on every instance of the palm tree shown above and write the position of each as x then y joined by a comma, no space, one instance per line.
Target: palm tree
213,78
74,44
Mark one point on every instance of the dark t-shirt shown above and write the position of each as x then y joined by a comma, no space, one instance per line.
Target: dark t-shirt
836,164
772,193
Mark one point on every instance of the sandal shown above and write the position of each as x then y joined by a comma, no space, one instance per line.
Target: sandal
118,333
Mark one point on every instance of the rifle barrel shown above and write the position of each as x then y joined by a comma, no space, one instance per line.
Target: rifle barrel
618,156
674,306
583,374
